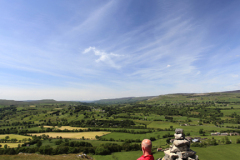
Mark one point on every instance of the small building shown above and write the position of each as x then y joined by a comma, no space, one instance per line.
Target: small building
195,140
215,134
224,134
234,134
159,149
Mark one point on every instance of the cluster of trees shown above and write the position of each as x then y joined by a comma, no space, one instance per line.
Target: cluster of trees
108,148
103,123
4,111
48,150
72,147
73,143
7,140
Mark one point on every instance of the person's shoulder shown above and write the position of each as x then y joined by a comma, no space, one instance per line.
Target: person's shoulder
150,157
141,158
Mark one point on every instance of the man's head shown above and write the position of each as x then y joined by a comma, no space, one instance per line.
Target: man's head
146,146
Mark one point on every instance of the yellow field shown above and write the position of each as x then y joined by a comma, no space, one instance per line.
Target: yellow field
65,127
18,137
32,106
86,135
11,145
57,108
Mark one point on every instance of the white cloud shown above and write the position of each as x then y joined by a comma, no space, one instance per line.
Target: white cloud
103,56
168,65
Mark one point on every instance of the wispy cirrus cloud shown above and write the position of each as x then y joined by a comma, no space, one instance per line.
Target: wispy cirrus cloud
104,57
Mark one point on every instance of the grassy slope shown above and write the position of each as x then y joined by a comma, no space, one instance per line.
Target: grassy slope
40,157
220,152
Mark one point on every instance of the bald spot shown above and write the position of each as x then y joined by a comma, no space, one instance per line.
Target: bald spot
147,144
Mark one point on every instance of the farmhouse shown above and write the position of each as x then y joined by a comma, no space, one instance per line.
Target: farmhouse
195,140
234,134
215,134
224,134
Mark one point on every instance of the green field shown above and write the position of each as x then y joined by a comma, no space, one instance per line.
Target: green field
88,135
123,136
41,157
124,124
162,124
220,152
18,137
11,145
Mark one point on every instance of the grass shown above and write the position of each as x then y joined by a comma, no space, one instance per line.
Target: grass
123,136
18,137
41,157
162,124
126,155
95,143
220,152
65,127
228,112
11,145
88,135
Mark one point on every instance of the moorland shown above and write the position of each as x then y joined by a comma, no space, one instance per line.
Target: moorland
113,129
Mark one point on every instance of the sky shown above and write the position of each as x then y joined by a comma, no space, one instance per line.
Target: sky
91,49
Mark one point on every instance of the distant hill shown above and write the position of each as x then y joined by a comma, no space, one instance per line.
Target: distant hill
161,98
119,100
32,102
122,100
236,91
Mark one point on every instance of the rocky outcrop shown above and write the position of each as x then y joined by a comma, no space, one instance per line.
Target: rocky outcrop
180,149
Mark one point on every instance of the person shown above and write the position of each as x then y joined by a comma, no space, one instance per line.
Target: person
147,150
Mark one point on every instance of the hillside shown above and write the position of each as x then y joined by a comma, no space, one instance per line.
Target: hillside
116,129
122,100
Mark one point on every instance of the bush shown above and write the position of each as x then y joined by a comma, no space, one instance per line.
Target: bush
227,141
58,142
238,140
101,151
11,151
39,143
152,138
197,144
46,150
62,150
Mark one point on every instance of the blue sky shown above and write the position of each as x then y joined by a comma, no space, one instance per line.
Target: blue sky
90,49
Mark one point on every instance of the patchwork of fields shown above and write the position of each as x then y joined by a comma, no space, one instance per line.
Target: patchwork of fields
64,127
79,135
115,131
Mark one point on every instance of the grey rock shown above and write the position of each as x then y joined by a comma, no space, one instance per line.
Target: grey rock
180,149
180,143
179,131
